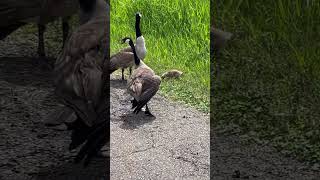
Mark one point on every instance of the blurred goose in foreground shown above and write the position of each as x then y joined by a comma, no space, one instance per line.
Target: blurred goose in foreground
16,13
122,58
219,38
80,82
143,84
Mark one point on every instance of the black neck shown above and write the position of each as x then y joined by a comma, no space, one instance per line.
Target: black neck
138,31
87,5
136,59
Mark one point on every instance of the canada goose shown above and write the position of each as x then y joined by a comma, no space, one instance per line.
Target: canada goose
172,74
16,13
219,38
79,80
143,84
140,48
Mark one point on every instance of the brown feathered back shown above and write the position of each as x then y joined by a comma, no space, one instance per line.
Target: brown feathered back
143,83
121,60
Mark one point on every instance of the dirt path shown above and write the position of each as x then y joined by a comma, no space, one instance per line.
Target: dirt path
174,145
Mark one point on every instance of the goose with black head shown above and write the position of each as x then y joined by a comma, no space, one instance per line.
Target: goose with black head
143,84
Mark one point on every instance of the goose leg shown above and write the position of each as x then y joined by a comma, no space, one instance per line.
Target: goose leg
147,112
41,51
134,103
122,74
130,70
65,29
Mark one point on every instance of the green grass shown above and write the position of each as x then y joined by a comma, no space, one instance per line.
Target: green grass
269,81
177,37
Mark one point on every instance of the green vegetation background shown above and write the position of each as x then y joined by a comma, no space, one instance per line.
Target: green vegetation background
177,37
268,80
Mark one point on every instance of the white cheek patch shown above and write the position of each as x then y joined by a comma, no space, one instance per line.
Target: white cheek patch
128,40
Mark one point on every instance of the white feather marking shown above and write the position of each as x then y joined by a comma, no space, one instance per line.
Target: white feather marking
141,47
140,40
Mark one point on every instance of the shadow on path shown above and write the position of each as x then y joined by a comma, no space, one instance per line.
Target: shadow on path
25,71
118,83
98,169
134,121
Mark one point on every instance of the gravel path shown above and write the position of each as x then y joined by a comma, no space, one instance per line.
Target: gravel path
173,145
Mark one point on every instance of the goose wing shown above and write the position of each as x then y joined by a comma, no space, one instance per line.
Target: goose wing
137,79
78,76
135,87
127,49
80,89
90,126
91,79
121,60
150,86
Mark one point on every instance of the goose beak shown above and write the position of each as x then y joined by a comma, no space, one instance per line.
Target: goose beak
125,40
